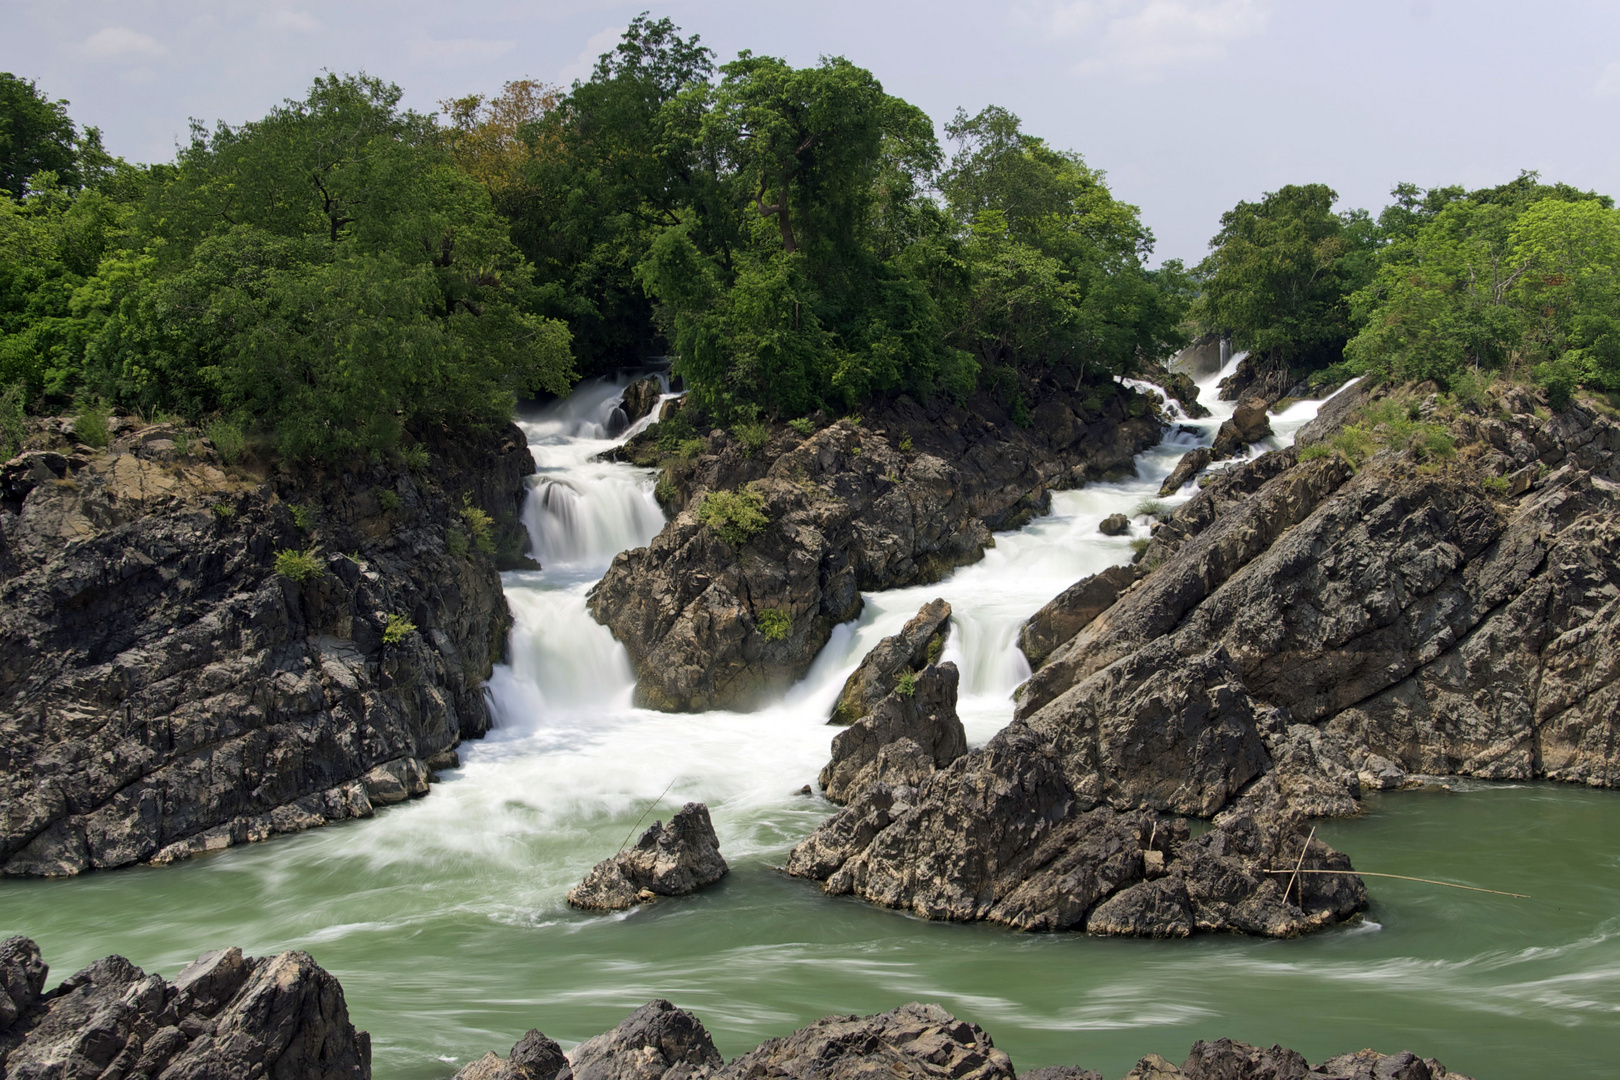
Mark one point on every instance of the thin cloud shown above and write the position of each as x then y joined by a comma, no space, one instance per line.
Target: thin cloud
1142,39
290,20
120,42
1608,82
582,65
451,52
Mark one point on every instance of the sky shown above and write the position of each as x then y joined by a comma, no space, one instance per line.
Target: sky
1189,106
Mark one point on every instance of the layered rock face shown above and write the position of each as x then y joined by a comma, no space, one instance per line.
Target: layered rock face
1299,632
918,644
226,1015
164,691
912,731
669,860
914,1042
899,499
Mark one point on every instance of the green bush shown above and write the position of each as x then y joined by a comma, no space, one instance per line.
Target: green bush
300,566
90,425
735,516
905,442
687,449
753,435
397,629
906,684
935,648
803,425
455,542
774,624
480,526
227,439
224,512
1355,442
303,516
1496,485
387,499
12,427
1315,451
416,457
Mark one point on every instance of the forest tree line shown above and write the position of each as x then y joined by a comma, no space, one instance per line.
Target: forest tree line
343,270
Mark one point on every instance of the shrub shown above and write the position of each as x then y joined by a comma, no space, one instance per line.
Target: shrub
300,566
906,684
90,425
753,435
396,630
689,449
1354,441
803,425
735,516
416,458
1433,442
774,624
675,431
480,526
935,648
303,516
1560,377
182,443
1152,508
905,442
665,490
12,427
1496,485
224,512
387,499
455,542
227,439
1314,451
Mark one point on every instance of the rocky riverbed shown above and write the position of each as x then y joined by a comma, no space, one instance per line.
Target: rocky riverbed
166,690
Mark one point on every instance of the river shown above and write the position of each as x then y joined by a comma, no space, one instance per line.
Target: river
445,919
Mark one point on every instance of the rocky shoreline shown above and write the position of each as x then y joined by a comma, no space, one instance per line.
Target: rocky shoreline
165,690
285,1018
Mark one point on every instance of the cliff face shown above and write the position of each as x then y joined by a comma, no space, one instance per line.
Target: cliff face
165,691
899,499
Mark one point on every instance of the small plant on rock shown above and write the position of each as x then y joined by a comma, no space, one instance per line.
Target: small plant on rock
774,624
905,443
227,439
397,629
735,516
12,424
387,499
223,511
455,542
1496,485
90,425
753,435
1152,508
803,425
1314,451
416,458
480,526
906,685
299,566
303,516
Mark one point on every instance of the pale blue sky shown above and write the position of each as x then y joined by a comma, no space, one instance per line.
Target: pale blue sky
1190,105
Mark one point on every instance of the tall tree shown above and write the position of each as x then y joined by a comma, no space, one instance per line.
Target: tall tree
36,135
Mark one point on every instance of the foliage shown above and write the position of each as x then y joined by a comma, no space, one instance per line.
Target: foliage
303,516
480,527
398,628
39,143
415,457
1152,508
774,624
936,648
735,516
1315,451
224,512
1496,485
226,435
753,435
299,566
803,425
387,499
12,427
455,542
90,425
906,684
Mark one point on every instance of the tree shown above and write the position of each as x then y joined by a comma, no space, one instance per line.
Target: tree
1279,275
36,136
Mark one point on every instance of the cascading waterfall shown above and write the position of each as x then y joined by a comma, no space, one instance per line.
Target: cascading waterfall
444,917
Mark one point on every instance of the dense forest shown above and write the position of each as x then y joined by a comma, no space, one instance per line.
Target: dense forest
328,278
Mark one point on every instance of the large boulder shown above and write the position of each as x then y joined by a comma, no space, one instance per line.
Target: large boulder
910,733
1071,610
640,397
534,1057
913,1042
669,860
918,644
655,1042
1191,464
1247,426
225,1015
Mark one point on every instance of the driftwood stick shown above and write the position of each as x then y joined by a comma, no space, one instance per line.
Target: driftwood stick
1297,865
1403,877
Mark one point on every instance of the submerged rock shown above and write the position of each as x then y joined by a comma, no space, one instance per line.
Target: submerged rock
910,733
224,1015
669,860
918,644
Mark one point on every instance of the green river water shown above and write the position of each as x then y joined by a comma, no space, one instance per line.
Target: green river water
445,920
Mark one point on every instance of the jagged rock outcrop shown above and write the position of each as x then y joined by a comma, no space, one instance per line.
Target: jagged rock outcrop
904,738
640,398
165,691
225,1015
1191,464
656,1041
914,1042
1071,610
917,645
669,860
1247,426
1269,381
900,499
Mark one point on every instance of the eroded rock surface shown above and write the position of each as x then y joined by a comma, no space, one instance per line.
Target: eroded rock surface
913,1042
164,691
669,860
900,499
654,1042
225,1015
918,644
904,738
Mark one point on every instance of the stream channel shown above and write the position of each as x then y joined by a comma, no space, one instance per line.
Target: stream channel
445,919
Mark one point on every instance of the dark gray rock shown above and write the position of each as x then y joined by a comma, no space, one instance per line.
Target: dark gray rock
1224,1059
847,510
656,1041
282,1017
1071,610
1247,426
917,645
535,1057
1060,1072
164,692
913,1042
1114,525
1191,464
640,397
22,979
669,860
902,740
